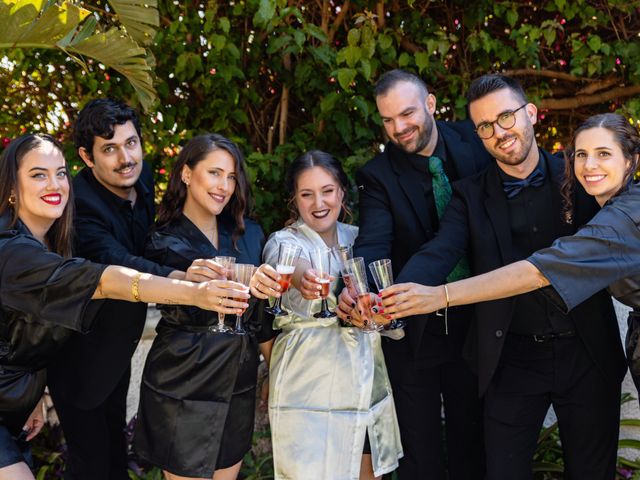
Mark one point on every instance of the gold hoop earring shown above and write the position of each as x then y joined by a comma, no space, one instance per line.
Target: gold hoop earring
12,200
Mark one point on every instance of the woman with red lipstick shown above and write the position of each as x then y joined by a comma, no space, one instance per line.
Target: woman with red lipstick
604,158
195,418
45,294
330,405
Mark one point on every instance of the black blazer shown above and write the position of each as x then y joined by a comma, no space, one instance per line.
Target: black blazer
477,222
91,365
394,221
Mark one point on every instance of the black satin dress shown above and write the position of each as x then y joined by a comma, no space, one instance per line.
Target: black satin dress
197,397
43,297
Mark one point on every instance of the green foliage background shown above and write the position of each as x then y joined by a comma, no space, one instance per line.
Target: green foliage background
281,76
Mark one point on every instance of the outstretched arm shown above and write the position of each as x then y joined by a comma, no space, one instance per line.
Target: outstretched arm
123,283
405,299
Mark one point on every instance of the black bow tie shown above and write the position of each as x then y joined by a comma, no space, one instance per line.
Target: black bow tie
514,187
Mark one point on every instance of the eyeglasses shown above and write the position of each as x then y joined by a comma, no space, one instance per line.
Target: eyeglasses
505,120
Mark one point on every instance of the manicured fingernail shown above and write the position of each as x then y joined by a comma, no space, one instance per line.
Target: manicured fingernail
353,305
349,317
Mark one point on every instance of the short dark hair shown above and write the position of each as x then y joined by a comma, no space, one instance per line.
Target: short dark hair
306,161
389,80
60,233
98,119
491,82
196,150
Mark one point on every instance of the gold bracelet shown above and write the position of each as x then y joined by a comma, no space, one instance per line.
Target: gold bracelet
446,294
135,291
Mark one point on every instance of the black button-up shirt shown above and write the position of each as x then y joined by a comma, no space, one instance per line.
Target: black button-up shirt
532,230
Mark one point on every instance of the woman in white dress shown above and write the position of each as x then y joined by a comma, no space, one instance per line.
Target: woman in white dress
330,403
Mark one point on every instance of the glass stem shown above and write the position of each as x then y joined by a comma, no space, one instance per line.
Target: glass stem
324,306
220,319
278,303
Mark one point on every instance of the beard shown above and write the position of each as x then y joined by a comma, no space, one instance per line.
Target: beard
421,141
516,157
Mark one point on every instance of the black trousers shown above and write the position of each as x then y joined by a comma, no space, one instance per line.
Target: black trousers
96,441
430,453
533,376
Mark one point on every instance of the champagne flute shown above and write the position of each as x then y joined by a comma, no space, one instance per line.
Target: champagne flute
242,274
227,263
382,274
321,263
341,253
360,286
288,254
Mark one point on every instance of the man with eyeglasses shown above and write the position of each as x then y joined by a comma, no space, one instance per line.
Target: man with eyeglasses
529,353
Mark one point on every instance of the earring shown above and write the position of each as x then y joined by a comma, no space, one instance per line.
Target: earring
185,182
12,200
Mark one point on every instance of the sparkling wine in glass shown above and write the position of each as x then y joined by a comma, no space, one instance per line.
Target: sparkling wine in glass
341,254
242,274
360,286
288,254
321,263
382,274
227,263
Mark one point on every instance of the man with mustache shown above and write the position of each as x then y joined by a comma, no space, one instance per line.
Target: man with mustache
114,201
529,353
398,214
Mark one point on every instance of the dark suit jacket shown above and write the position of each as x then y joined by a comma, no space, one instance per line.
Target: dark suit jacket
394,221
91,365
477,222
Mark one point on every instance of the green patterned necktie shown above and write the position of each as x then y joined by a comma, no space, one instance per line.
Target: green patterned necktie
442,195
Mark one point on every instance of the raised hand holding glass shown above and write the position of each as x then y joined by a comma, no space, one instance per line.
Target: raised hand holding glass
288,254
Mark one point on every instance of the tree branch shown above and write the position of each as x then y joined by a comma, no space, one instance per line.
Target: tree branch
272,129
599,85
380,14
582,100
526,72
284,102
338,20
326,11
409,46
284,114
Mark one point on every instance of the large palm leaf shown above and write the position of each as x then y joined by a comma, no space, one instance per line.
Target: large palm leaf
139,17
65,26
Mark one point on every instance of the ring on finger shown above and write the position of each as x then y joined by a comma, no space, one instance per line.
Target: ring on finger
220,302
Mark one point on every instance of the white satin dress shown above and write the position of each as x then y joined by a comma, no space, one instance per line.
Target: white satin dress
328,384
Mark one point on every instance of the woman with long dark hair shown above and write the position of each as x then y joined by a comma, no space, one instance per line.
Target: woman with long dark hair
195,418
45,294
330,405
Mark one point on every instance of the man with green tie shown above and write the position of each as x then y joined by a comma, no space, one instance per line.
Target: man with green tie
403,192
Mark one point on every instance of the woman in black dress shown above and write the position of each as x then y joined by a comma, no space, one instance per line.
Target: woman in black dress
45,294
197,399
